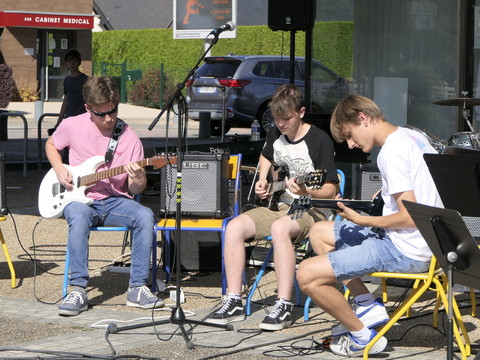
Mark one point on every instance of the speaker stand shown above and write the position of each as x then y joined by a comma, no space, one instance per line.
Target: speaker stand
178,316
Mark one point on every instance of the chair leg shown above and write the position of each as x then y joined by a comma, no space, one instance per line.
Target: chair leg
166,256
154,262
66,273
396,316
9,261
257,280
384,291
473,300
306,309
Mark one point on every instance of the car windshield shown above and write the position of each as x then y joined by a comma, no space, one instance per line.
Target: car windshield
218,69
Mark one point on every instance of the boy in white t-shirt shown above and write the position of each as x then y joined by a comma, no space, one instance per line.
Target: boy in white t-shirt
363,244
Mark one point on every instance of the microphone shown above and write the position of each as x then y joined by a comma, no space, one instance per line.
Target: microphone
229,26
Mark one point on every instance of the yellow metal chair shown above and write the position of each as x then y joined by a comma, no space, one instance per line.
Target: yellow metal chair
7,256
205,224
431,280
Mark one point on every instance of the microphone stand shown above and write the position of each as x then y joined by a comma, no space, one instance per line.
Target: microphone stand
178,315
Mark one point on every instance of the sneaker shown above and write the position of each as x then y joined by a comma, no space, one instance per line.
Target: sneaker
280,317
346,346
142,297
372,316
231,311
73,304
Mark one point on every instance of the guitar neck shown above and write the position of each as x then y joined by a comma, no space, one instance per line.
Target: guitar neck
93,178
282,185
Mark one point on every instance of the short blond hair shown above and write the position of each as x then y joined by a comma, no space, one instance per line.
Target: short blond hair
346,113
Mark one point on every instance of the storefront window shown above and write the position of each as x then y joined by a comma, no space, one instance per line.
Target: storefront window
405,57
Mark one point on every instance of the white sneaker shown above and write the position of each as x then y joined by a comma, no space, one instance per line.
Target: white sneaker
371,316
346,346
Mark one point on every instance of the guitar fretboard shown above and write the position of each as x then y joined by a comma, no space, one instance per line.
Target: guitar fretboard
282,185
93,178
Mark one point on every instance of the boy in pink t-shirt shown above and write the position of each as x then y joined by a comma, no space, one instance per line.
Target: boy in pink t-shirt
88,135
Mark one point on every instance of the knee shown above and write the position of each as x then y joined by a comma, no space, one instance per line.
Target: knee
236,230
316,231
145,217
303,276
78,214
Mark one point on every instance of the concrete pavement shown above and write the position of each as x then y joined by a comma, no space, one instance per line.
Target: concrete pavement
31,328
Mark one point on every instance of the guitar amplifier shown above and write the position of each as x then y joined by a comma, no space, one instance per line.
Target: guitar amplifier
204,186
368,181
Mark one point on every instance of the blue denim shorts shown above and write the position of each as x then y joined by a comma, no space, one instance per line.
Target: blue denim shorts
360,251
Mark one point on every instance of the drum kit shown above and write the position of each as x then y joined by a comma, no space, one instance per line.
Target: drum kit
469,140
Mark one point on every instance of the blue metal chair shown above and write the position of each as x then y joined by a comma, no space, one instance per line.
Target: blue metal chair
124,244
341,178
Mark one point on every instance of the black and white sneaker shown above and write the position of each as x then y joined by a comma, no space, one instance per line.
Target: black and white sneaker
231,311
280,317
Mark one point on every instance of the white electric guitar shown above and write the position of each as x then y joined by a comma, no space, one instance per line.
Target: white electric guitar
53,197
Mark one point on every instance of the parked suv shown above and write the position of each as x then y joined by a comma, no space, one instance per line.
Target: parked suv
247,84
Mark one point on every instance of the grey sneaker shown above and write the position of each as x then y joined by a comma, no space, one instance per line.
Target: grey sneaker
142,297
231,311
372,316
346,346
280,317
73,304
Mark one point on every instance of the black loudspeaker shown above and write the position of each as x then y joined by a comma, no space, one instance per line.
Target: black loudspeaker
201,251
3,187
291,14
204,186
368,181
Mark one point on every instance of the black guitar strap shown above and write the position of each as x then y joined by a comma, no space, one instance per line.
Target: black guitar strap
112,145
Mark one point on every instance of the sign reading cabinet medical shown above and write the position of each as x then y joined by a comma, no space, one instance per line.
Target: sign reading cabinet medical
46,20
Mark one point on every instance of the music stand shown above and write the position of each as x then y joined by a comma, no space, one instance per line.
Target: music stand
462,169
454,248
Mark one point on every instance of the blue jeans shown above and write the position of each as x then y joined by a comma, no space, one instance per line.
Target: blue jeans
113,211
360,251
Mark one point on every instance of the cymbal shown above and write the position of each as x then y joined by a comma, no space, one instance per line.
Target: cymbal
459,102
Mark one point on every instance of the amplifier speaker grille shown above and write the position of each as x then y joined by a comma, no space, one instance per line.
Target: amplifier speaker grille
368,181
204,186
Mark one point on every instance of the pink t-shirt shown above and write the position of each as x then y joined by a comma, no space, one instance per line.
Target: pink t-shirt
84,140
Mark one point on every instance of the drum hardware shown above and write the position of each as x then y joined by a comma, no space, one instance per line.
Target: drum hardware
465,140
464,102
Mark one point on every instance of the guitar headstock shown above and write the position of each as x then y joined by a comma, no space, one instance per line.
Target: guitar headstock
315,179
299,206
159,161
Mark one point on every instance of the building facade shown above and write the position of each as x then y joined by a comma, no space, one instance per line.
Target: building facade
34,37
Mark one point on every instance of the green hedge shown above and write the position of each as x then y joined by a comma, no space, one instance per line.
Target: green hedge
333,46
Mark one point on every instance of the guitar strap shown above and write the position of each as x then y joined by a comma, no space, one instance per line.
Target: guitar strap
112,145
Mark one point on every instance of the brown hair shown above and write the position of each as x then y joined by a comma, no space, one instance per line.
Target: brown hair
285,100
346,112
100,90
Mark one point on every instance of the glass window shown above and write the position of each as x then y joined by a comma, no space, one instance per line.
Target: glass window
405,57
264,69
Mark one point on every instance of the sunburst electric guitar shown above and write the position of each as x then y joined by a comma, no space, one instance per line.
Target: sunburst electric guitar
53,197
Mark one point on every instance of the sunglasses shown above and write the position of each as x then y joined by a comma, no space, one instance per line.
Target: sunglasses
103,114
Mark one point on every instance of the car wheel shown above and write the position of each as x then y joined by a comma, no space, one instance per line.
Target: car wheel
216,128
266,118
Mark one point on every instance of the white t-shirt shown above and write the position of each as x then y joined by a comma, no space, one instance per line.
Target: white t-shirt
403,168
